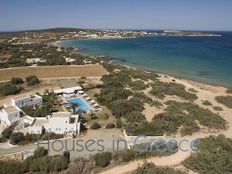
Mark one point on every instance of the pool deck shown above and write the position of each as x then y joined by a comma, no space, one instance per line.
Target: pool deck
87,103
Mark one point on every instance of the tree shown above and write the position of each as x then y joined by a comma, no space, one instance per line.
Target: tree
119,123
75,107
32,80
16,81
9,89
95,125
16,137
110,126
40,152
148,168
103,159
7,133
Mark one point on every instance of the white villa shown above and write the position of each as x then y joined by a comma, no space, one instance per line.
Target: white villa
35,60
68,91
27,101
11,112
9,115
59,123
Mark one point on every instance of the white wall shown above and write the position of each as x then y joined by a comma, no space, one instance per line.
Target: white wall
8,119
37,100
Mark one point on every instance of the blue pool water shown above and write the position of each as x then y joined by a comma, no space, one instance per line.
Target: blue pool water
81,103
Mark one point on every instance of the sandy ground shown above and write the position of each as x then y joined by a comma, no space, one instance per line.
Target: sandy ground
205,92
53,71
171,161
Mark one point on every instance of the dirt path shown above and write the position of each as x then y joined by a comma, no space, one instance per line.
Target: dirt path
171,161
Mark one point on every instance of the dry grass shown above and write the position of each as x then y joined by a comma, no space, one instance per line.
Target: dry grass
2,40
53,71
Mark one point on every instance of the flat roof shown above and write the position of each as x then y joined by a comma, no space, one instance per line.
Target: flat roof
61,114
68,90
21,97
11,109
40,122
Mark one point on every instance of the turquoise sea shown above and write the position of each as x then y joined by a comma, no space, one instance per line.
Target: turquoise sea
204,59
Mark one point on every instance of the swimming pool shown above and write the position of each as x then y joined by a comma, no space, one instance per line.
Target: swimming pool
81,104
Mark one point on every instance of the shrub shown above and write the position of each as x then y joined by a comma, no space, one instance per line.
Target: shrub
103,159
16,137
225,100
193,90
32,80
137,85
128,155
110,126
177,115
16,81
11,167
160,89
217,108
9,89
119,123
213,156
7,133
229,91
103,116
206,103
148,168
80,166
95,125
40,152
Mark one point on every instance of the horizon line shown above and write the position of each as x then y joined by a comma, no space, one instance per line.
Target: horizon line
140,29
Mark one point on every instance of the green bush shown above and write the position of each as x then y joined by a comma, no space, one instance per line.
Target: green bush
16,81
110,126
119,123
128,155
217,108
9,89
103,116
160,89
16,137
206,103
7,133
40,152
32,80
213,156
193,90
177,115
137,85
11,167
225,100
103,159
95,125
148,168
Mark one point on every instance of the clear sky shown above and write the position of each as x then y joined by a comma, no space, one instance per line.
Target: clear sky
117,14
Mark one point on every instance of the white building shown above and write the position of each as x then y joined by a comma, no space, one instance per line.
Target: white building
35,60
63,123
59,123
9,115
27,101
70,60
71,90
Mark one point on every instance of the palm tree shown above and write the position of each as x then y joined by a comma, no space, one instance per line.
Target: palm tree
74,106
